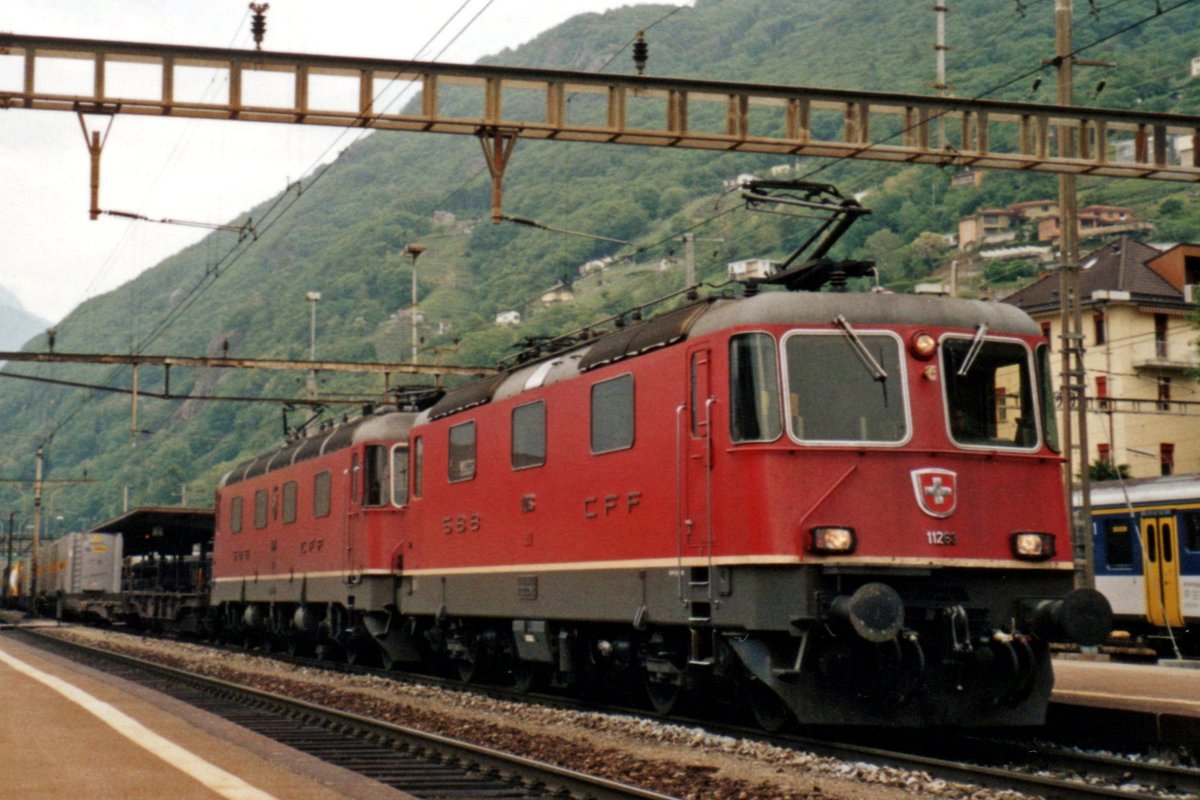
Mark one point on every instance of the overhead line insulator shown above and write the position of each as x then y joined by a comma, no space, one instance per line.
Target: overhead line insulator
258,25
641,52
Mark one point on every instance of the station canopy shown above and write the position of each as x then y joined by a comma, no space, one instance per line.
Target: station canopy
166,530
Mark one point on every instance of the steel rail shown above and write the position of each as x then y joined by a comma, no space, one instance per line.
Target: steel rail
474,758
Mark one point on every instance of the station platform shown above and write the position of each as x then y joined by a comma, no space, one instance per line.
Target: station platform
1134,687
70,731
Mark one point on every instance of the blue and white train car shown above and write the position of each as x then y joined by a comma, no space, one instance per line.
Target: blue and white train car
1147,552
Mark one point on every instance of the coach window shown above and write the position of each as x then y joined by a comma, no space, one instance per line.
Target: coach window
399,475
989,393
418,465
260,508
846,387
462,452
612,414
375,475
753,388
529,435
289,502
235,515
321,486
1191,527
1118,544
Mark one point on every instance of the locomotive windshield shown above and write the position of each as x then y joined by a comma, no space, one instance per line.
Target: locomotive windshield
835,395
989,393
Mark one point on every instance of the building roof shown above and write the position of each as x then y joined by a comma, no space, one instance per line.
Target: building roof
1119,265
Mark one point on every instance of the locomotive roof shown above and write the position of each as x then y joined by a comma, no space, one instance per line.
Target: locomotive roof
710,316
389,425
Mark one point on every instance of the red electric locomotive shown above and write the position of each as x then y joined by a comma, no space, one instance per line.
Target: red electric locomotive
844,508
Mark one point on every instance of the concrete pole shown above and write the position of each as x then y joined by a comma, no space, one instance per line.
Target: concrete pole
1074,377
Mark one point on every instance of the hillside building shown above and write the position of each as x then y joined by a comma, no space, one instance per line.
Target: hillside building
1140,353
988,226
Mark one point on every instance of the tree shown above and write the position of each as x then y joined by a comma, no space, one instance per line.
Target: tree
1101,470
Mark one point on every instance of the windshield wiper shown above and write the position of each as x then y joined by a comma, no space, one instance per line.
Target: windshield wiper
973,352
860,349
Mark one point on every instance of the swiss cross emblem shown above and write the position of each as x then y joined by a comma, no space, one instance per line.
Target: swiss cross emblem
937,491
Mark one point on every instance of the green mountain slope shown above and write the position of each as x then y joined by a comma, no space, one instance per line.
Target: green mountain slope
344,234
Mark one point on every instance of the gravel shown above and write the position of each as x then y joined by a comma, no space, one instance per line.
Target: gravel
678,760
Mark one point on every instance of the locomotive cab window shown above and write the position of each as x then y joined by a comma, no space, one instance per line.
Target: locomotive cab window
235,515
753,388
462,452
1049,416
529,435
989,393
612,415
399,475
375,475
845,387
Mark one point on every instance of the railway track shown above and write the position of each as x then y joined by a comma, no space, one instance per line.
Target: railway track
424,765
1036,769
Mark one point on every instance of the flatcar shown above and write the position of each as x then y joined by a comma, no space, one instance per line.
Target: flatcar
843,508
1146,536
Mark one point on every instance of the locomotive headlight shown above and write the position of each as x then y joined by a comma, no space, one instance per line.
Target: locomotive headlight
1032,546
922,345
831,540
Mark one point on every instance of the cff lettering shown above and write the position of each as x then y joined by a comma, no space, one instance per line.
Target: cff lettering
595,507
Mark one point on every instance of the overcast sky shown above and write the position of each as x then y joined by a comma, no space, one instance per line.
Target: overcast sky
53,257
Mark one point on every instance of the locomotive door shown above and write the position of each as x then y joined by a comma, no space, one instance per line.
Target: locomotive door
696,455
354,521
1160,563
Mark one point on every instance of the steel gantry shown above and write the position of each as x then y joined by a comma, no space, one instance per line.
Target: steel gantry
502,104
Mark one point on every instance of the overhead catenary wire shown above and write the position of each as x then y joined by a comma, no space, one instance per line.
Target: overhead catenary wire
235,254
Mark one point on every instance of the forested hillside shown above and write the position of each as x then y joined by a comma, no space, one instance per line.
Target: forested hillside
344,234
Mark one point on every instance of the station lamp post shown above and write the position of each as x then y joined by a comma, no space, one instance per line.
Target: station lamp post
414,251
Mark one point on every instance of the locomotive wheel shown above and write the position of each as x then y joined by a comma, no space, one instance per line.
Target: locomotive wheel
768,709
664,695
526,675
467,671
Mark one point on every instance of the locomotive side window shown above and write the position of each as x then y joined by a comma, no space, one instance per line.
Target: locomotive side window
612,414
289,502
836,394
418,465
260,508
1049,415
375,475
399,475
1191,523
1118,544
235,515
529,435
980,376
462,452
321,485
753,388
